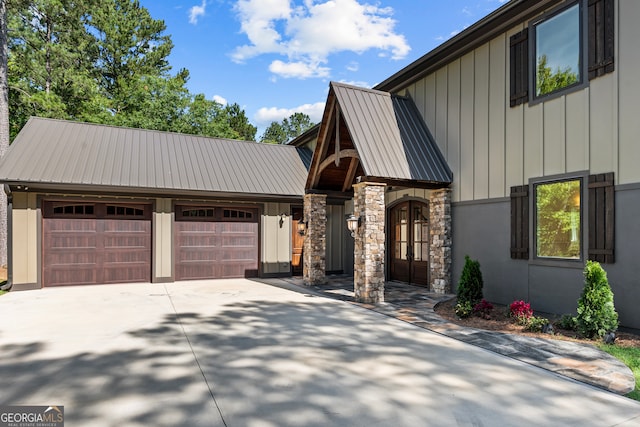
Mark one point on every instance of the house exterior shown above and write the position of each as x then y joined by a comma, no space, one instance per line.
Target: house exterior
512,139
513,143
92,204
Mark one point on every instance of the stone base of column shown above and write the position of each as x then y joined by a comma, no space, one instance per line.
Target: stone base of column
369,245
441,242
314,257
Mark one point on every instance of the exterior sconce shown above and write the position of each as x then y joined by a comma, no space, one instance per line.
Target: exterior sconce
353,222
301,226
283,216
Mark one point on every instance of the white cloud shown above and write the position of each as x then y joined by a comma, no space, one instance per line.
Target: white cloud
307,34
299,70
353,66
196,12
220,100
266,115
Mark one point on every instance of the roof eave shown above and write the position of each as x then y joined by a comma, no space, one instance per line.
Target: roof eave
143,192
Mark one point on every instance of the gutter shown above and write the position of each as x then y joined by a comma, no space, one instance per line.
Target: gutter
7,286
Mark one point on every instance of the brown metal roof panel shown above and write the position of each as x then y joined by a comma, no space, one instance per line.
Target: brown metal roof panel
425,158
60,152
374,130
40,163
388,150
391,137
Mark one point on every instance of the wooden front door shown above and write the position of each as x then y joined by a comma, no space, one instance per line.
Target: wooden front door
297,243
409,237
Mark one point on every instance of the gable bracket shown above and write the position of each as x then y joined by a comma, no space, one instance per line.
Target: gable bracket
333,158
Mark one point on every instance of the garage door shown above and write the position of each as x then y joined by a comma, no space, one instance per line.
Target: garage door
95,243
216,242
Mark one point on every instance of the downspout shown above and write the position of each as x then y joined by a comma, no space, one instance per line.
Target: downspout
9,283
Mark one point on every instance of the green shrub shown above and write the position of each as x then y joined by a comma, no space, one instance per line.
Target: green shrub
567,321
464,309
535,324
470,284
596,312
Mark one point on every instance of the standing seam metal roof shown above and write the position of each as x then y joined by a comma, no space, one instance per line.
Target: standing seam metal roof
49,151
391,137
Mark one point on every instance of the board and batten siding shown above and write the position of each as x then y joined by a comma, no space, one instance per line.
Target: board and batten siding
491,146
276,239
163,218
25,217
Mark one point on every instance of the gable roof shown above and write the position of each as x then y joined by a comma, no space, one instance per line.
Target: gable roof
50,153
391,138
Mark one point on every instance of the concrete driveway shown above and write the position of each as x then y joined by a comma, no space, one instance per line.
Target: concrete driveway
242,353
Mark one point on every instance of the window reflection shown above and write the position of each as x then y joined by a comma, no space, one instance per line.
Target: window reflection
557,51
558,227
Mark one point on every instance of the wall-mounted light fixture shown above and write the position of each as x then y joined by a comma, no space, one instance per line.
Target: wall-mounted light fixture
283,216
301,226
353,222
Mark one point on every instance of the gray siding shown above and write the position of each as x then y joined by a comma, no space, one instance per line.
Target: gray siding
482,231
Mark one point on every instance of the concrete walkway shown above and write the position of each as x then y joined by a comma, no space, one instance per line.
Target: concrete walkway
243,353
415,305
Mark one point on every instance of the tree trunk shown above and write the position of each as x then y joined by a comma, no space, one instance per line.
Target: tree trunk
4,125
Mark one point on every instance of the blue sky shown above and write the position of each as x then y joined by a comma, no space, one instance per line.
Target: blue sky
276,57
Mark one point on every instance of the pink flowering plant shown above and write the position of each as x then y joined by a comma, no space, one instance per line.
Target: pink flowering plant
521,311
483,309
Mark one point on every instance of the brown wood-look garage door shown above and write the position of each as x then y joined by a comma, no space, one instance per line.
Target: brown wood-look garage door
215,242
96,243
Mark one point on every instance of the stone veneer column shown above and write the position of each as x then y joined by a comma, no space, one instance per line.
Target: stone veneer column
440,245
368,268
315,241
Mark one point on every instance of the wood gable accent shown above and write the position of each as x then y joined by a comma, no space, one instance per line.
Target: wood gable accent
520,222
602,218
336,162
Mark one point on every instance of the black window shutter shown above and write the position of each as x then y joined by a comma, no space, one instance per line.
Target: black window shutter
602,218
519,67
520,222
601,37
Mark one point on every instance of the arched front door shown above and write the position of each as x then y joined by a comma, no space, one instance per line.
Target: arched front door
409,238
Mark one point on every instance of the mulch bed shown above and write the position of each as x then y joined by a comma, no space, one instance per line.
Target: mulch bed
499,321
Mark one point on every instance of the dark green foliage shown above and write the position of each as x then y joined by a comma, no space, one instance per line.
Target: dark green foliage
470,285
285,131
568,321
105,62
596,312
549,81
